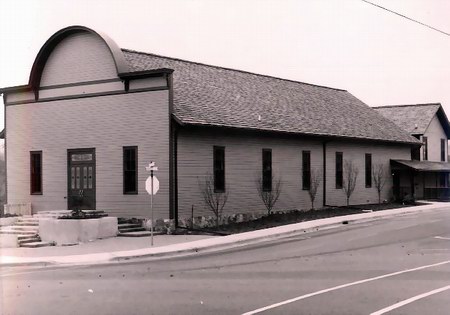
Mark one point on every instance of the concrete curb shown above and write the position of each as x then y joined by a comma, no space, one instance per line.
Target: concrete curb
213,244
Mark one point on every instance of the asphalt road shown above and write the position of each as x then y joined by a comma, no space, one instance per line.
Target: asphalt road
397,266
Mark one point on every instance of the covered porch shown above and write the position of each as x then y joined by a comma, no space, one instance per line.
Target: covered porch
420,179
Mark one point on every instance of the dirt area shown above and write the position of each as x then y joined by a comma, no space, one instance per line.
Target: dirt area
277,219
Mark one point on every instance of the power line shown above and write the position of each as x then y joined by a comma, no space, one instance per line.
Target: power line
408,18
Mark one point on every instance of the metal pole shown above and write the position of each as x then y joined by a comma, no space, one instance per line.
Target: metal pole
151,206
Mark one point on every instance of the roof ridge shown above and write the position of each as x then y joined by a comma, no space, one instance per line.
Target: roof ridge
407,105
231,69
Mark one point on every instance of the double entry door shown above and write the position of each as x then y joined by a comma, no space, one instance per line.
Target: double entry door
81,179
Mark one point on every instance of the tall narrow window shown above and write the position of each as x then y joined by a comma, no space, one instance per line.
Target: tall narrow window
443,145
425,148
36,172
339,170
130,170
267,169
219,169
368,170
306,170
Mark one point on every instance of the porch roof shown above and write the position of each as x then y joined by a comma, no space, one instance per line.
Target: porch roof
422,166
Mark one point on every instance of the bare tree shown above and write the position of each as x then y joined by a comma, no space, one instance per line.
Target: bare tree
269,197
380,177
215,200
349,180
315,182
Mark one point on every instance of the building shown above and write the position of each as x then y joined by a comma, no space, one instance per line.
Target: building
92,116
426,174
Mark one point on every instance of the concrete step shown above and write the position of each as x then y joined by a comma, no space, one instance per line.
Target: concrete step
29,240
19,232
131,229
24,227
138,234
36,244
25,236
128,225
28,223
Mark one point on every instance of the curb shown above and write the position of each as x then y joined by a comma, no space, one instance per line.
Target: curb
214,244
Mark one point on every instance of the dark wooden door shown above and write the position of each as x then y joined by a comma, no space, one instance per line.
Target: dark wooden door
81,179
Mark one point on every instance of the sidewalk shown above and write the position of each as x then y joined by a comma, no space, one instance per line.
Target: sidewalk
119,249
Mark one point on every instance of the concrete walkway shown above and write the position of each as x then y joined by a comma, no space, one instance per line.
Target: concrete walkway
119,249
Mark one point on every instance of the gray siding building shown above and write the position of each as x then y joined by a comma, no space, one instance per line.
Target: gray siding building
92,116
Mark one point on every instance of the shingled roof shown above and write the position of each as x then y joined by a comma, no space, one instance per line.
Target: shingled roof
215,96
414,118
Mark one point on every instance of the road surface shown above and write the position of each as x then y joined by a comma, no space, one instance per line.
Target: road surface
399,265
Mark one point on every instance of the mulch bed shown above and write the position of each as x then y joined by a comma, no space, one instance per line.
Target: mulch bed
277,219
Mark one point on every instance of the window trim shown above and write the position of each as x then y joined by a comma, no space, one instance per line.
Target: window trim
339,174
306,173
263,171
215,150
124,170
368,171
41,192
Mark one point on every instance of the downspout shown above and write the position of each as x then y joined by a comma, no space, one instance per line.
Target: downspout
5,146
324,173
173,195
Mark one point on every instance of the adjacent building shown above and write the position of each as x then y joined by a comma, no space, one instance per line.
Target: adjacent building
426,174
93,116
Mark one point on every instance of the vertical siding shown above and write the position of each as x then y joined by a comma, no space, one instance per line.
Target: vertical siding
79,57
243,164
381,154
435,133
106,123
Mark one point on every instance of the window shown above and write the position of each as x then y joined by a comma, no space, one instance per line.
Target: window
425,148
306,161
368,170
443,145
339,170
219,169
130,185
36,172
267,169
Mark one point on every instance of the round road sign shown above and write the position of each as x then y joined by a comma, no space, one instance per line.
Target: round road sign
148,185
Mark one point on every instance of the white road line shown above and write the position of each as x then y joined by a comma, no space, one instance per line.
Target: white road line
442,238
302,297
410,300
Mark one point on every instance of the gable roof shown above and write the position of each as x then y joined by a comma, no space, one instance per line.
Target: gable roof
415,118
215,96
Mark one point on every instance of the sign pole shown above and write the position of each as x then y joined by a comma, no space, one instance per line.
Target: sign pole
151,206
152,187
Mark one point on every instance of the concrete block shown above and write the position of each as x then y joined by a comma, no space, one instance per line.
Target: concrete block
88,230
8,240
108,227
62,232
8,221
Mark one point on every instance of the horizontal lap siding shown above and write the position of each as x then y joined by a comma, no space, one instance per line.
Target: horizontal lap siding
243,165
434,134
78,58
105,123
381,154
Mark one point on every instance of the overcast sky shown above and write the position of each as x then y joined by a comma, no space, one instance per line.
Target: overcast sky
379,57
